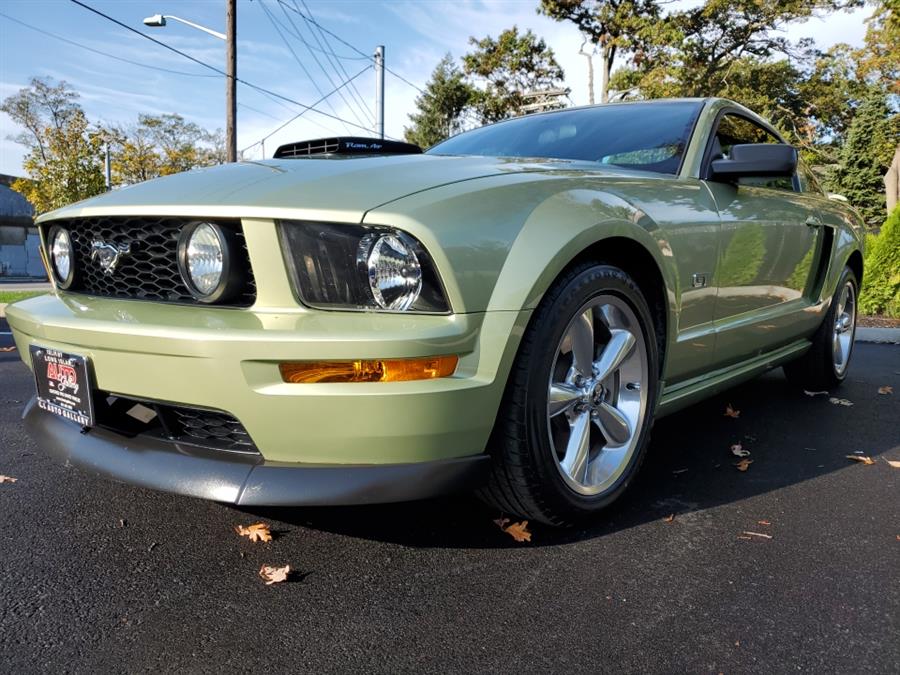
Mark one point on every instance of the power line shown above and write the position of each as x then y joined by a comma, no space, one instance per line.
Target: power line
296,58
213,68
297,34
335,62
102,53
301,113
344,42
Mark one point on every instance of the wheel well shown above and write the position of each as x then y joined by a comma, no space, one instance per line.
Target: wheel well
640,265
855,263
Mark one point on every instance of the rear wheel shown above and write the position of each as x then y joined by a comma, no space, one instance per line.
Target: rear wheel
575,419
826,363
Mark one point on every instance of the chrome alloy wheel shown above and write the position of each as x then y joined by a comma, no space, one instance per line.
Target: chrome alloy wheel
844,328
597,398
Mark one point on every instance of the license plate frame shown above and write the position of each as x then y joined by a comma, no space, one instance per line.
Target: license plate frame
64,384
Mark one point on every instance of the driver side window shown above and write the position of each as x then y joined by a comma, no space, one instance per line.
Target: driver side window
736,130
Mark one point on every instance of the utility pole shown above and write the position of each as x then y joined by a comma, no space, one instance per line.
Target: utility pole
107,167
379,91
230,80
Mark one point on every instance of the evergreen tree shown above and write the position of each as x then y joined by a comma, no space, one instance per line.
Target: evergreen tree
865,157
442,106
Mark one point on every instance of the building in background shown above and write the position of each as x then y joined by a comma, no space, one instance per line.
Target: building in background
20,256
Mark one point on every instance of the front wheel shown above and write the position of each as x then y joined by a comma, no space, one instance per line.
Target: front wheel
575,419
825,364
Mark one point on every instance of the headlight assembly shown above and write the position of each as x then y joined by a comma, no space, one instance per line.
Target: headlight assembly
362,268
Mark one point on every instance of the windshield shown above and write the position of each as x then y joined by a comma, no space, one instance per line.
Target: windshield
644,136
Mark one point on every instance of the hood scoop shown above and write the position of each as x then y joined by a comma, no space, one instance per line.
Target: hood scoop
346,145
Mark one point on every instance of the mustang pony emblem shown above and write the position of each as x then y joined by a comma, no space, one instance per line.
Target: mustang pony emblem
108,255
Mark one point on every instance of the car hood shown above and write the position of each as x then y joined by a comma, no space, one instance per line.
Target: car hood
337,188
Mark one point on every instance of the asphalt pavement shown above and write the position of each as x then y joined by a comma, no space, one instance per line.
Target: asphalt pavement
97,576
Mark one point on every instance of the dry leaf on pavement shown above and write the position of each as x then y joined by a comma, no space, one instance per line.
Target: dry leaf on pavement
8,479
669,518
886,389
274,575
893,462
840,401
815,393
731,412
763,522
757,534
738,450
255,532
8,349
744,464
518,531
862,459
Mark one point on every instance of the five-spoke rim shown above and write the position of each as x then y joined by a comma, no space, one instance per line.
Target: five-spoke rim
597,397
844,328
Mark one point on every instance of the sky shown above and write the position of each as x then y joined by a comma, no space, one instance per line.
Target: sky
415,33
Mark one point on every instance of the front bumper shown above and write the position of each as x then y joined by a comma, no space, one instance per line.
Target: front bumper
246,481
318,443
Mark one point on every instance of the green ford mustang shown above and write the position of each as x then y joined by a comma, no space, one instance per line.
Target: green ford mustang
356,321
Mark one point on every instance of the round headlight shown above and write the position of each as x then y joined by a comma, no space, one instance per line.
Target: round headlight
394,272
61,256
205,252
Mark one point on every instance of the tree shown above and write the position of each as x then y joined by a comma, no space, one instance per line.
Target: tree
613,27
507,68
866,156
440,108
66,167
64,159
38,107
881,283
160,145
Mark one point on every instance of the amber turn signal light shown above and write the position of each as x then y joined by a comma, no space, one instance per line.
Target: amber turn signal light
369,370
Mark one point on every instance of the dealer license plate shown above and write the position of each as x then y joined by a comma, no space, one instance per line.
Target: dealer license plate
63,384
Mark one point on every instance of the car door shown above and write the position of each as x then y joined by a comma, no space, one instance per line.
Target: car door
770,229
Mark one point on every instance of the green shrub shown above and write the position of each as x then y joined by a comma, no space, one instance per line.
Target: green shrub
881,280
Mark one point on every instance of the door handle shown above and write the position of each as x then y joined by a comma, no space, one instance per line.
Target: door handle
813,221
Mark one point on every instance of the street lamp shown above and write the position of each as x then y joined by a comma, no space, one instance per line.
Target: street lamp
159,21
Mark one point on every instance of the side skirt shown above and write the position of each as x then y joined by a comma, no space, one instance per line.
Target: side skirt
696,389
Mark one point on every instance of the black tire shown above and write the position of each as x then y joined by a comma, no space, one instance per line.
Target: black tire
525,479
817,370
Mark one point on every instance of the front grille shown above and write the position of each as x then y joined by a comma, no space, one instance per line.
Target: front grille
150,270
213,429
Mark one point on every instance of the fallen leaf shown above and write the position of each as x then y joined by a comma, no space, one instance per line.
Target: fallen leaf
744,464
7,479
731,412
8,349
255,532
518,531
738,450
669,518
840,401
886,389
862,459
763,522
757,534
815,393
121,522
893,462
274,575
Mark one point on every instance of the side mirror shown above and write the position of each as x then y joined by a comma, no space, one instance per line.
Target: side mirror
756,159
